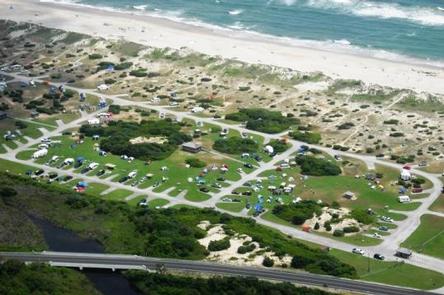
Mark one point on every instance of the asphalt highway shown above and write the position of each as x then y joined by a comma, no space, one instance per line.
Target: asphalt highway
83,259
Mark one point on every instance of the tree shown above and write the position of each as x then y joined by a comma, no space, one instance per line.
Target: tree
115,109
267,262
327,226
317,226
317,167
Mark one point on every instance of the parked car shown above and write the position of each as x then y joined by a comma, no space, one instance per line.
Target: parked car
39,172
101,172
248,165
123,179
143,203
358,251
379,256
204,189
383,228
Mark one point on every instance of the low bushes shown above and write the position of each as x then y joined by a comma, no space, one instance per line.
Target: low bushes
219,245
235,145
317,167
263,120
308,137
195,163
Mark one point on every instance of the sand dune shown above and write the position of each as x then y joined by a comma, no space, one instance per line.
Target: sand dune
250,48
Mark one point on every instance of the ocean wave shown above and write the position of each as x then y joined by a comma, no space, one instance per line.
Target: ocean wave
140,7
239,30
235,12
427,16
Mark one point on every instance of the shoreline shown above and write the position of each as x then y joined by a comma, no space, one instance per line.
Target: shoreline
157,31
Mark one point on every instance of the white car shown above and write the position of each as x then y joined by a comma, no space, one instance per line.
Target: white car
358,251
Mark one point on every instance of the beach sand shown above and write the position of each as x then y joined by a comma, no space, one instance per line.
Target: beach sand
159,32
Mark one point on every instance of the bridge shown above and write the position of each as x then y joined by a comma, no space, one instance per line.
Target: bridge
125,262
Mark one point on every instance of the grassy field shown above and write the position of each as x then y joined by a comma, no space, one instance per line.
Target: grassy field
428,237
394,273
176,175
438,205
117,195
14,167
233,206
157,203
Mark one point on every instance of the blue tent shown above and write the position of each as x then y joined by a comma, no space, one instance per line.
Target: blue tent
82,184
258,208
80,159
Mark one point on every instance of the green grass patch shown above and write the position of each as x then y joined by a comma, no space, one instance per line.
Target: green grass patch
393,273
117,195
428,237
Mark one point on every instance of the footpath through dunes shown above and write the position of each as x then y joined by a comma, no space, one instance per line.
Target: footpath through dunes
245,47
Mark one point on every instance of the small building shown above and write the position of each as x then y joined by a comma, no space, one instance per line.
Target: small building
191,147
404,199
403,253
3,115
349,195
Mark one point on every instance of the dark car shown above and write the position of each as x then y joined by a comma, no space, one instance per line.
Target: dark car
101,172
247,193
248,165
221,178
379,256
204,189
52,175
383,228
67,178
39,172
123,179
84,170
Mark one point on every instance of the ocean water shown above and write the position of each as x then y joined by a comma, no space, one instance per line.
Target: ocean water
391,29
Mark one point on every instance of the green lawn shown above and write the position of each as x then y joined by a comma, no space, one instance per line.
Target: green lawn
14,167
96,188
117,195
157,202
438,205
392,273
428,237
177,175
233,206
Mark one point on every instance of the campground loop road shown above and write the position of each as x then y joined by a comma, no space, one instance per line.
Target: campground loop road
86,260
388,247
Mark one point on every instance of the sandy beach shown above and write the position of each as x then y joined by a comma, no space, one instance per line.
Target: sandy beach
246,47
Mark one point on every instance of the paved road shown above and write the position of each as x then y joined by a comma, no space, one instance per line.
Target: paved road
125,261
388,246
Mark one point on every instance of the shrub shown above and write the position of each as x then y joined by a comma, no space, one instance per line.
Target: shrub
350,229
21,125
246,248
299,212
362,216
327,226
263,120
267,262
95,56
195,163
316,226
308,137
219,245
338,233
139,73
317,167
279,146
114,108
235,145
